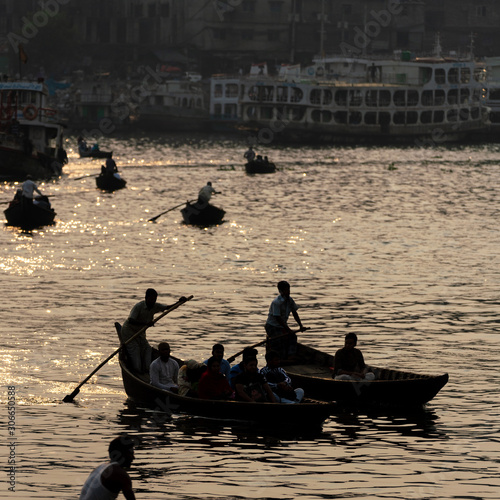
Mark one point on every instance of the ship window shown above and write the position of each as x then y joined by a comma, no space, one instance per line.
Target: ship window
326,116
438,116
452,115
218,90
440,76
494,94
371,118
399,98
355,118
411,117
464,114
384,119
453,75
297,95
464,96
399,117
340,116
371,98
426,117
341,97
230,110
297,114
281,94
251,112
217,110
253,92
384,98
315,96
427,98
266,113
439,97
327,96
494,116
465,75
453,96
412,98
316,115
355,98
232,90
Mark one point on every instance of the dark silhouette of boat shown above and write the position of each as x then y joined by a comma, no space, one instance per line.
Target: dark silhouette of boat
202,214
30,215
260,167
108,182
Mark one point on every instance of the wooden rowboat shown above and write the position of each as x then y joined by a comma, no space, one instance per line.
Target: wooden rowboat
207,215
260,167
110,182
390,388
30,216
309,412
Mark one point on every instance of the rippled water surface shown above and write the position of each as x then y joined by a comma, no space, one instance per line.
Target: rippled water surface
399,245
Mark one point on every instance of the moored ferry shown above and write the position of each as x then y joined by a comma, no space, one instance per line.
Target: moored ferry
31,140
353,99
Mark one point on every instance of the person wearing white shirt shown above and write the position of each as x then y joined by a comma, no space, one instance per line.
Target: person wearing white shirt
164,370
29,188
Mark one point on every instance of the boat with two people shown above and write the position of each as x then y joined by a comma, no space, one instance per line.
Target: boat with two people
86,151
29,214
31,139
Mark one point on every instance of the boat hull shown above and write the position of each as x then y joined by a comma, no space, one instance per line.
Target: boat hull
15,165
29,216
208,215
110,182
143,393
259,167
391,387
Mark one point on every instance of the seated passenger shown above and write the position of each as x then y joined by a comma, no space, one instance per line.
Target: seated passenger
189,377
349,363
279,381
237,369
164,370
218,353
213,384
251,385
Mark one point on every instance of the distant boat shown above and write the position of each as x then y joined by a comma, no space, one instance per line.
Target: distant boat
260,167
108,182
30,216
86,151
31,140
206,215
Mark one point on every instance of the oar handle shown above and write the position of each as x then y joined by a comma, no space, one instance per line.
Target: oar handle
169,210
70,397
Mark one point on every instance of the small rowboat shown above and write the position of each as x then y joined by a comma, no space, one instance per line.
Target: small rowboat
390,387
96,153
202,215
260,167
110,182
30,216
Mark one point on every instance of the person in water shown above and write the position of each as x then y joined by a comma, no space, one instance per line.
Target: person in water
110,478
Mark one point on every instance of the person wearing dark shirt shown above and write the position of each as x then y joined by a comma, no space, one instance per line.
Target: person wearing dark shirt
349,363
251,385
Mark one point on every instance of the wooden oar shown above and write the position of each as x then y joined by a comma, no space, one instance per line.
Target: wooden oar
69,398
232,358
153,219
85,177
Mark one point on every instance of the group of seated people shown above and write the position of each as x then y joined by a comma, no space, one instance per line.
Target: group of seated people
215,379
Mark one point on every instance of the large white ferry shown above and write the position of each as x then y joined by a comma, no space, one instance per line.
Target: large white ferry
438,99
31,140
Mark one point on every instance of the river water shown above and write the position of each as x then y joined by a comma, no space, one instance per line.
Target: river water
398,244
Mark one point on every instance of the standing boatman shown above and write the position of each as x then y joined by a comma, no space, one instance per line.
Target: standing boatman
277,322
206,193
29,187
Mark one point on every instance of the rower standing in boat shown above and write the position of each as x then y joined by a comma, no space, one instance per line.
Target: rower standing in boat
349,363
249,154
29,187
276,325
142,314
109,478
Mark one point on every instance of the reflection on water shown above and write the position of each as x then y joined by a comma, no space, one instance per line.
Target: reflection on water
406,257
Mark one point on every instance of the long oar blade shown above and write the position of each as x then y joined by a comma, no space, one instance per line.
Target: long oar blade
69,397
153,219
